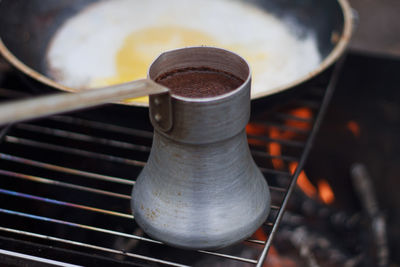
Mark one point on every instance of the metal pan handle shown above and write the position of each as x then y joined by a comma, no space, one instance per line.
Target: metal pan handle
38,107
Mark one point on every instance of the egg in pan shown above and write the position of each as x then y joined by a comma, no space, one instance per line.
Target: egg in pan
115,41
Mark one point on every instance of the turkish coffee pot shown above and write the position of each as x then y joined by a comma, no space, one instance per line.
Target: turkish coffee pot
200,188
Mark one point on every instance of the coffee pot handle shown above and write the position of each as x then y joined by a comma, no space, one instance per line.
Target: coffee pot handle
22,110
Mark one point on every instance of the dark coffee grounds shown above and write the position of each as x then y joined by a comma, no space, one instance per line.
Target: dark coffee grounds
199,82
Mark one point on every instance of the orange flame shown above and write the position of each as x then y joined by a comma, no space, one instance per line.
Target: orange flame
275,149
325,192
354,128
303,182
304,113
256,129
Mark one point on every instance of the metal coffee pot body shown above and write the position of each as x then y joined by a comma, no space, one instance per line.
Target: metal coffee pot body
200,188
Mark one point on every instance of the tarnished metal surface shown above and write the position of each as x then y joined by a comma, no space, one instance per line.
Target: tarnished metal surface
206,120
201,188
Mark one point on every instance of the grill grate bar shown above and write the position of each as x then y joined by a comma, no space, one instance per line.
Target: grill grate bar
111,232
101,126
83,207
74,151
46,139
23,141
4,131
272,171
308,103
308,145
77,172
73,171
255,241
85,245
279,141
62,184
64,203
277,189
286,116
125,145
80,137
275,207
229,256
64,169
270,224
268,155
284,127
77,225
36,260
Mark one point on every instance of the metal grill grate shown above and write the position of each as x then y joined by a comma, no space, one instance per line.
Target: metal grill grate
65,185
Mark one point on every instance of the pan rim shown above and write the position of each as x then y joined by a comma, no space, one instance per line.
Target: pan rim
333,56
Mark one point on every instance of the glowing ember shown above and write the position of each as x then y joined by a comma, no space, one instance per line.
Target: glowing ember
354,128
303,113
275,149
303,182
276,260
256,129
260,235
273,258
325,192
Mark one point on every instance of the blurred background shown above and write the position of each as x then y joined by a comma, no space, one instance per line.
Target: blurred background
364,116
379,26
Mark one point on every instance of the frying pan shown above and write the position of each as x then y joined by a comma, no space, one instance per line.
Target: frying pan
27,27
